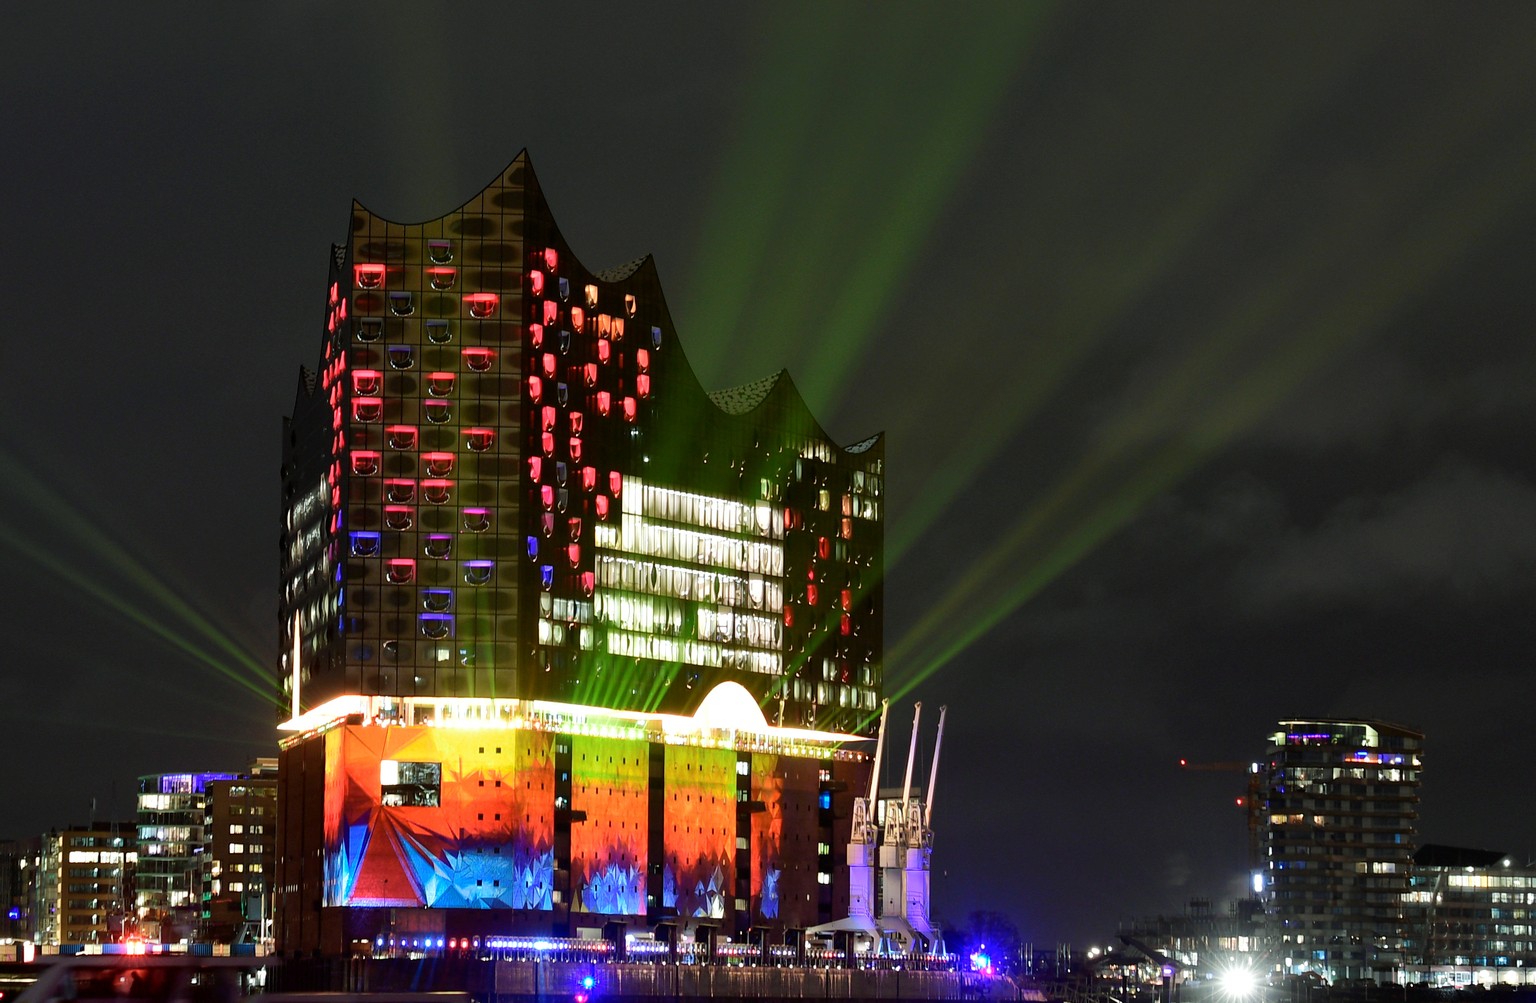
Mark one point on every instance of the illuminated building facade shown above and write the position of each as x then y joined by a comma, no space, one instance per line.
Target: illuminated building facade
566,638
240,856
1470,918
87,885
1341,799
172,835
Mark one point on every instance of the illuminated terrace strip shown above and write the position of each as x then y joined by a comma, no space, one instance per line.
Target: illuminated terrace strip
728,718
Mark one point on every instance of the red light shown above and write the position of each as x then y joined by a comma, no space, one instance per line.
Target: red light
368,276
845,625
588,582
573,553
536,282
630,409
547,496
535,467
478,359
401,570
603,351
366,381
576,449
1239,802
536,334
575,417
618,329
810,594
601,502
479,439
441,278
642,359
823,548
551,312
589,478
401,436
604,402
440,384
578,317
789,617
438,464
589,371
615,482
643,385
365,462
547,418
367,409
481,305
436,491
535,388
547,441
551,258
548,364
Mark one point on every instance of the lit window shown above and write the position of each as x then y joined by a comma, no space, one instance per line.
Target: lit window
573,554
365,382
604,325
533,548
437,492
401,304
630,409
440,384
436,625
589,371
547,441
440,251
438,332
365,462
588,582
476,520
617,329
547,496
591,292
438,464
575,417
604,402
400,490
402,357
604,351
536,282
655,337
601,501
367,409
547,418
478,359
615,482
547,361
436,600
551,313
547,576
369,328
551,258
410,785
478,572
630,305
481,305
536,335
576,448
369,276
400,570
588,478
565,289
479,440
563,342
399,517
578,317
535,388
536,467
365,544
643,384
642,359
437,411
810,594
441,278
401,436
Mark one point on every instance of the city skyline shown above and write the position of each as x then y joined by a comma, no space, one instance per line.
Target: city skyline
1200,345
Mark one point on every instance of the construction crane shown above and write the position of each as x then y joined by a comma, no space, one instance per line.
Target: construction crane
1252,802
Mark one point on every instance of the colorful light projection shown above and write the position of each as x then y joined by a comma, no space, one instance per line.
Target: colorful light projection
784,838
699,828
438,818
609,780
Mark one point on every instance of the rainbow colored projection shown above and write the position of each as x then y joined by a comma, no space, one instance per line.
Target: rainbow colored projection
438,818
608,849
784,839
698,873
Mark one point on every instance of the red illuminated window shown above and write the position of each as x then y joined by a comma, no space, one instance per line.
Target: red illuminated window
437,491
401,436
845,625
575,417
618,329
547,496
810,595
367,409
437,412
440,384
847,529
365,463
536,282
601,503
369,276
399,516
604,325
401,570
479,359
604,402
476,520
478,440
536,335
536,467
547,363
547,442
575,526
547,418
589,478
573,553
400,490
551,258
589,371
643,358
481,305
578,318
438,546
366,381
630,409
551,313
439,464
823,547
588,582
441,278
846,599
547,523
576,448
630,305
789,617
643,385
604,350
535,388
615,482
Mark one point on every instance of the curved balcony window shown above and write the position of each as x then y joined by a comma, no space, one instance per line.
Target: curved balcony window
533,548
481,305
643,384
437,411
551,313
366,382
562,394
547,442
369,329
536,335
578,318
437,492
617,332
402,357
563,341
438,546
588,478
476,520
479,572
630,305
400,570
367,409
588,582
615,482
438,464
575,526
401,304
535,388
400,490
655,337
365,462
365,544
401,436
604,402
441,278
547,418
399,517
536,468
438,332
547,576
436,625
560,471
547,496
368,275
601,504
576,448
547,523
642,359
479,440
563,499
437,600
536,282
479,360
630,409
604,351
573,554
547,364
440,384
589,371
440,251
551,258
604,326
591,295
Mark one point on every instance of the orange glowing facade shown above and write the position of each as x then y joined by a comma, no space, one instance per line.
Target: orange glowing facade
565,638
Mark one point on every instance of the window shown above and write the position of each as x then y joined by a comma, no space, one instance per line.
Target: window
399,490
401,304
440,384
481,305
441,278
367,410
437,492
478,440
365,544
479,359
629,305
438,411
591,294
401,570
436,600
476,520
478,572
401,436
369,276
440,251
365,462
402,357
410,785
399,517
438,464
438,546
437,626
438,332
369,328
366,382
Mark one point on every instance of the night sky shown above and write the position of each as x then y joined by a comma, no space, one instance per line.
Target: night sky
1201,336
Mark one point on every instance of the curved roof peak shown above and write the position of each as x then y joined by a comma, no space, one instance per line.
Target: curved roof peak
743,398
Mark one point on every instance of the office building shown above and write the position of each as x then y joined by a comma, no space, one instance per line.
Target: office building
85,888
567,639
1469,918
240,857
172,835
1341,800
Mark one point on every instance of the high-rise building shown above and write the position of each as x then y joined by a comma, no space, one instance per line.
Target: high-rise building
172,835
87,884
1341,800
240,857
566,639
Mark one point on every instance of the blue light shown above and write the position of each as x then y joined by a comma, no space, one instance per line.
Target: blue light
588,982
